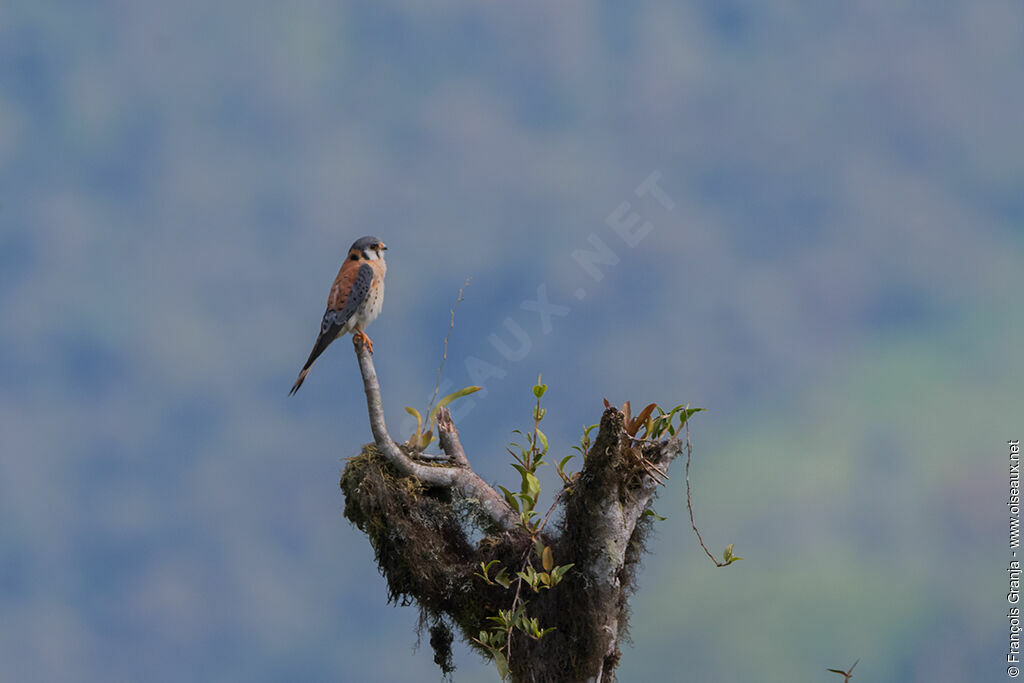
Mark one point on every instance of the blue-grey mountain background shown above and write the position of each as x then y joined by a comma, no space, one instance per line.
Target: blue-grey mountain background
838,284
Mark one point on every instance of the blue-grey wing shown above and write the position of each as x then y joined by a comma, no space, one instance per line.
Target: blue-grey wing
357,293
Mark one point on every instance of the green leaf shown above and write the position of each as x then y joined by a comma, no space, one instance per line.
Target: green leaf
419,419
502,663
540,389
547,559
520,614
465,391
485,569
685,414
558,572
414,440
728,556
527,513
522,452
502,579
531,485
661,423
561,463
651,513
543,440
510,498
530,576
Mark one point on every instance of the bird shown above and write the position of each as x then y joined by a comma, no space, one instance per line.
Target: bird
355,299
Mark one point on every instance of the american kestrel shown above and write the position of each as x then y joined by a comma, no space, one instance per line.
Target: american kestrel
355,299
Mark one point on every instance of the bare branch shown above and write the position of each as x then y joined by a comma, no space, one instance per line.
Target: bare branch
444,352
448,437
689,499
461,479
554,506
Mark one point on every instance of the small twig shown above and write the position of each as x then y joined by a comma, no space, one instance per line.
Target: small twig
515,602
643,440
551,509
689,499
444,354
656,473
431,457
848,674
448,438
653,470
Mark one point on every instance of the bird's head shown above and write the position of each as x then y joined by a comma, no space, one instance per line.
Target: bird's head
367,249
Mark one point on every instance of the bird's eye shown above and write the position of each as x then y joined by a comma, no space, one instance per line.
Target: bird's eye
354,257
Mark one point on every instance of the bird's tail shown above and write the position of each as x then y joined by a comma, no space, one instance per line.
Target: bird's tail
299,381
322,342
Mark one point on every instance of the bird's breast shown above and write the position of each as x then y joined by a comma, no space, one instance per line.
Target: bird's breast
374,302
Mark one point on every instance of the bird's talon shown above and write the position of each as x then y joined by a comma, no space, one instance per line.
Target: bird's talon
359,337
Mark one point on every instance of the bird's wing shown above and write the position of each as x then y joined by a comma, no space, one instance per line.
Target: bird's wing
347,294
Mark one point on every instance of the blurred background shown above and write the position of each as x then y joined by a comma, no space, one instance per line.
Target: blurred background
838,282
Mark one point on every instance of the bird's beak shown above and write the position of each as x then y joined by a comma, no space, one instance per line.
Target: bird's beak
383,247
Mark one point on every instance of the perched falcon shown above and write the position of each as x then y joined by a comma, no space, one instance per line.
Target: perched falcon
355,299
